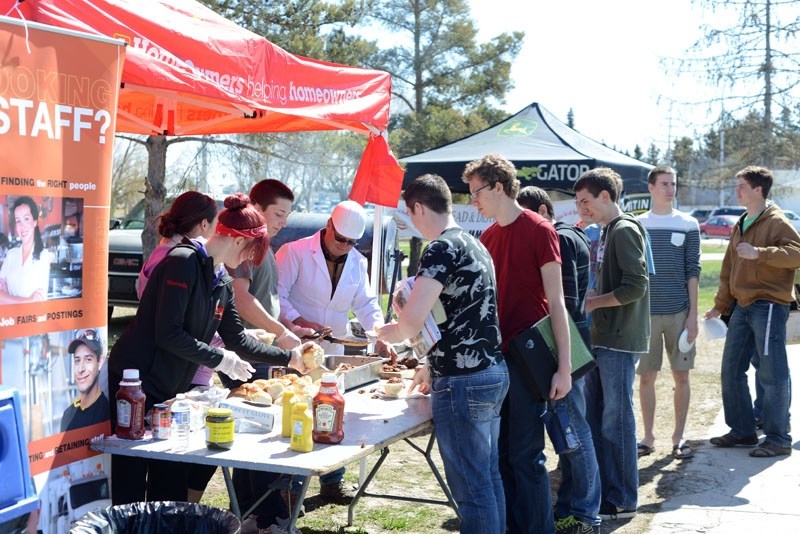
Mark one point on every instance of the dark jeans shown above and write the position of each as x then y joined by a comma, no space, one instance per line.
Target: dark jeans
140,479
250,485
529,507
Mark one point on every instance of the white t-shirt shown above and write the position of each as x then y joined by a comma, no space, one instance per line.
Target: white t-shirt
23,279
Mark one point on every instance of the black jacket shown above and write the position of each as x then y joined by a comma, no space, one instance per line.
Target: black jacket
574,247
181,308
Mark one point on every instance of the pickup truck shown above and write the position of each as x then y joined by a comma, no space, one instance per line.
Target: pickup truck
125,257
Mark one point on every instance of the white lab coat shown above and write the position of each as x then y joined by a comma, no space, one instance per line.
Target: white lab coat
304,289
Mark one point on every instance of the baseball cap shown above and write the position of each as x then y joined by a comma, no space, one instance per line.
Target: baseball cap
349,219
90,338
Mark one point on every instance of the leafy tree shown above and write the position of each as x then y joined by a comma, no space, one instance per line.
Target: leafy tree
444,81
310,28
683,154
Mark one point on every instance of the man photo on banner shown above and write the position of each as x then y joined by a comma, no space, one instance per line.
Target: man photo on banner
88,358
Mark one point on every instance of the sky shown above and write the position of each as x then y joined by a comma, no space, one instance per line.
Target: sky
602,59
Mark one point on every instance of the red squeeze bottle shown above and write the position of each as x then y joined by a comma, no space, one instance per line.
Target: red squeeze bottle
328,412
130,406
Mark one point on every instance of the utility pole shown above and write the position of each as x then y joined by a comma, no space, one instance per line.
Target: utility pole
722,158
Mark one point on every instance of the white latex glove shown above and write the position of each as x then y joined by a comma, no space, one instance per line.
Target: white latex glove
287,340
233,366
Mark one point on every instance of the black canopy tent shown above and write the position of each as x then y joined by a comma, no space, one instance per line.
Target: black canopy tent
546,152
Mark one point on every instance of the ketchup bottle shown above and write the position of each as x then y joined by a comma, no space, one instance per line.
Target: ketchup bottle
130,406
328,412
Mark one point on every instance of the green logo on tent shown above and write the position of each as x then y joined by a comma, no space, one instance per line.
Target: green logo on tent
519,127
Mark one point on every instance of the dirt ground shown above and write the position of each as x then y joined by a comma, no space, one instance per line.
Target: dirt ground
406,473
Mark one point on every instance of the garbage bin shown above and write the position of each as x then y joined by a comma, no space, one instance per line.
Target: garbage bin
158,518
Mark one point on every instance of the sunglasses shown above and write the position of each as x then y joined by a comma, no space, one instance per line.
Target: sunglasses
343,239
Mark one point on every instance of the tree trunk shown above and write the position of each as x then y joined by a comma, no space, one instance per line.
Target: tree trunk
155,190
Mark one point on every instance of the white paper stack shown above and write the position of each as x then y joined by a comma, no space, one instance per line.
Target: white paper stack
423,342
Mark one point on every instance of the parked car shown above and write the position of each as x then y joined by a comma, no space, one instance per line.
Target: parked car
719,226
728,210
793,218
701,215
125,257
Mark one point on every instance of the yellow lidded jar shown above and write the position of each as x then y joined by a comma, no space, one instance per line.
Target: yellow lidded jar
219,429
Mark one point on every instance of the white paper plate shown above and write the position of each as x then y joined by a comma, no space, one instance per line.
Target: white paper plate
715,328
683,341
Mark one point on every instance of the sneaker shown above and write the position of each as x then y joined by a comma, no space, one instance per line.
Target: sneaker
277,529
570,525
249,525
610,512
730,440
281,526
336,493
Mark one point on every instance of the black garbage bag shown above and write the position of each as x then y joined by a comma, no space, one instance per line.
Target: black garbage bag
168,517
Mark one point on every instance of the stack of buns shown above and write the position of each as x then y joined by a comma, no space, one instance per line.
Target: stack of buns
270,391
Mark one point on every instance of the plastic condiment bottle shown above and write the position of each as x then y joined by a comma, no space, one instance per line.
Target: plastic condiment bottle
302,424
289,401
328,412
130,406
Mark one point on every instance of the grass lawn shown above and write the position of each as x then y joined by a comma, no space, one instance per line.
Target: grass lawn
710,246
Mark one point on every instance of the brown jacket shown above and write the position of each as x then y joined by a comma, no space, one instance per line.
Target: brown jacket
771,276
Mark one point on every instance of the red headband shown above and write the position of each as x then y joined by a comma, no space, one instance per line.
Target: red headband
258,231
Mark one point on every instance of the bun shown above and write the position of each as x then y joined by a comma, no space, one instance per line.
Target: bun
276,390
260,397
236,201
239,392
313,356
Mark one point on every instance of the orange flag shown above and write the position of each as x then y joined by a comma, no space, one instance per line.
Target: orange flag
379,177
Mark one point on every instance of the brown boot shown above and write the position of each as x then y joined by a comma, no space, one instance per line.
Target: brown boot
336,493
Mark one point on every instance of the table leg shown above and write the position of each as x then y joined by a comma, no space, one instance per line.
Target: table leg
362,488
226,474
442,483
426,452
294,513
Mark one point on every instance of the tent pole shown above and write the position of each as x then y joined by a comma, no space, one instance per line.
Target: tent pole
377,251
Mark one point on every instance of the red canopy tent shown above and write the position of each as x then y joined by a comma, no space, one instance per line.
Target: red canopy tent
190,71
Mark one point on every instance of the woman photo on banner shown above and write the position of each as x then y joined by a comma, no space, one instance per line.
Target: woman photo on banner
25,273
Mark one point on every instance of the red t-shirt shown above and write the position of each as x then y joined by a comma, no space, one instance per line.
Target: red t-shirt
519,250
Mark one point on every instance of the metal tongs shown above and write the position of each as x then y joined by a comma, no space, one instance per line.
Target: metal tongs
325,334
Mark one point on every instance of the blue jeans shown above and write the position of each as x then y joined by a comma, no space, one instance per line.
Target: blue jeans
529,507
466,421
759,328
579,492
609,411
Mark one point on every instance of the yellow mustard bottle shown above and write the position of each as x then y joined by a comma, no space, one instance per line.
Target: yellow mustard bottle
302,426
286,419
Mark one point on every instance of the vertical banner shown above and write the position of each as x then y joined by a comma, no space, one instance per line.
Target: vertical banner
58,100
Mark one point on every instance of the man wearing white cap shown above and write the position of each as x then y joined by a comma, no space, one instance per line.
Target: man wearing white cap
321,278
